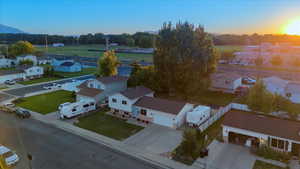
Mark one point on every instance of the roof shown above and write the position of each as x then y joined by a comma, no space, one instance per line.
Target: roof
90,92
68,64
83,85
224,80
111,79
3,150
136,92
274,80
292,87
259,123
163,105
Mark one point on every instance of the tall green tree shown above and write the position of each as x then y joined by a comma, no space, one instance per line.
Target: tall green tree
185,55
20,48
108,64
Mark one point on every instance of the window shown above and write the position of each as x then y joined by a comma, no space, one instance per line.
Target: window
91,85
124,102
73,110
144,112
280,144
276,143
114,100
86,105
38,70
92,104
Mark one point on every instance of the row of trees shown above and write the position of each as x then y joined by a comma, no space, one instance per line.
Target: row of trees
140,39
18,48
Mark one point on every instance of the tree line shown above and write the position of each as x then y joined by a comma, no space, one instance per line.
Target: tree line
140,39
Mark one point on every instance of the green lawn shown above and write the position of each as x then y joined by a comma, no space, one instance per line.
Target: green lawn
223,48
85,71
107,125
45,103
263,165
39,80
214,98
82,50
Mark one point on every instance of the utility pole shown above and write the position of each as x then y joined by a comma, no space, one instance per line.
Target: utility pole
46,39
107,43
2,163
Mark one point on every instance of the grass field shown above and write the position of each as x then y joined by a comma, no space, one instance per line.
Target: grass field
223,48
85,71
262,165
39,80
45,103
82,50
107,125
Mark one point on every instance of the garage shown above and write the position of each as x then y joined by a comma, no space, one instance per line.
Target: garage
164,120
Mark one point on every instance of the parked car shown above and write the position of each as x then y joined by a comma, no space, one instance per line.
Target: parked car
248,80
10,82
52,86
23,114
10,157
9,105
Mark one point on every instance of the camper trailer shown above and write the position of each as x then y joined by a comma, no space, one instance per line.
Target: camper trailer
197,116
77,108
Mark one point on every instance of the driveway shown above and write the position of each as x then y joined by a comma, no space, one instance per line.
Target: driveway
156,139
227,156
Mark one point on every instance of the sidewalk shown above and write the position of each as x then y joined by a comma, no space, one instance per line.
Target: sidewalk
114,144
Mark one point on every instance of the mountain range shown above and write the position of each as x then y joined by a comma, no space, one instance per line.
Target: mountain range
9,29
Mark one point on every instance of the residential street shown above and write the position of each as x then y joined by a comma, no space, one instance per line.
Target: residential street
35,88
53,148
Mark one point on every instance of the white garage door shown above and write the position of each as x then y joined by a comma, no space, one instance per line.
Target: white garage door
163,120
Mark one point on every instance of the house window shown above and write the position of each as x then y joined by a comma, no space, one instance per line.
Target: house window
124,102
114,100
91,85
276,143
86,105
144,112
73,110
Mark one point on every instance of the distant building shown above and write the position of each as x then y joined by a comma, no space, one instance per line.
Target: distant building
44,60
225,82
58,45
21,73
68,67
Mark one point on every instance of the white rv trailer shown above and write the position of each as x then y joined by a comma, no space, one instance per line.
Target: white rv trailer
197,116
77,108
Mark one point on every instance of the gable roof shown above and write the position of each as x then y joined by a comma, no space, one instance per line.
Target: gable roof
259,123
90,92
111,79
67,64
136,92
163,105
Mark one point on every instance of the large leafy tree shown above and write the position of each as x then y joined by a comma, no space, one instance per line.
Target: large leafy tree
20,48
108,64
184,57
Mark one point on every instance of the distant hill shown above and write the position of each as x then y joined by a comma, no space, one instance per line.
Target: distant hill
8,29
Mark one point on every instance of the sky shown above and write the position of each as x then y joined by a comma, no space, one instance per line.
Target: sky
73,17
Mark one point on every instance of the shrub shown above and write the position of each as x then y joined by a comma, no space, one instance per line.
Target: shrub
269,153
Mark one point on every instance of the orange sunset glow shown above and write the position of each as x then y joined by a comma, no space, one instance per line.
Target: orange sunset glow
293,28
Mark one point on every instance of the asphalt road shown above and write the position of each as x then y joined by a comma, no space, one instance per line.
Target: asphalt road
52,148
35,88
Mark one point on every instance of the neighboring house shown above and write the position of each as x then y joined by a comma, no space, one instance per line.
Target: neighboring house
225,82
122,103
255,130
58,45
292,91
21,73
5,63
161,111
43,60
59,61
68,67
275,84
27,57
100,88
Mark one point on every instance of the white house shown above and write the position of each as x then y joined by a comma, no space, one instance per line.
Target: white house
58,45
5,63
27,57
44,60
100,88
21,73
255,130
121,103
161,111
275,84
225,82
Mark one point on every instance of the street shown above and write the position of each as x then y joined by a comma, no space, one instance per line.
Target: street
35,88
52,148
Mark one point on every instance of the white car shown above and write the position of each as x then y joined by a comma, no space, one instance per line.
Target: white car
10,105
52,86
10,157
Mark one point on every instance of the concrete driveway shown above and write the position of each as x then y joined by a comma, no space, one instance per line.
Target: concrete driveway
227,156
156,139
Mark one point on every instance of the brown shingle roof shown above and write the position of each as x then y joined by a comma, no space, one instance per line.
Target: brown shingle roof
163,105
273,126
112,79
223,80
90,92
136,92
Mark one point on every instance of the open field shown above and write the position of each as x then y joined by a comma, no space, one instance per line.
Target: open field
108,125
45,103
223,48
82,50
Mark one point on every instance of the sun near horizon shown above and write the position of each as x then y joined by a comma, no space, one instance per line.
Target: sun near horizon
293,27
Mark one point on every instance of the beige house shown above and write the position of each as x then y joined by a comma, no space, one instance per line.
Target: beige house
225,82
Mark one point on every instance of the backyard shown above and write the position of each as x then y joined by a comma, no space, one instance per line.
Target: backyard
45,103
85,71
107,125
